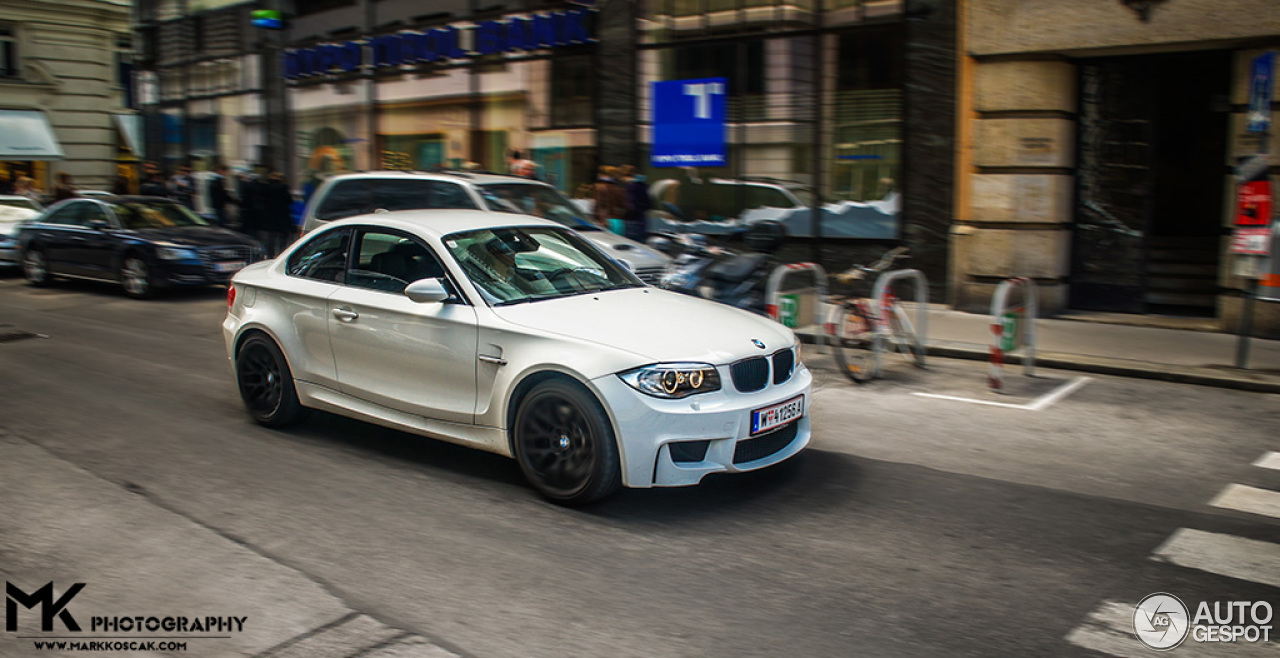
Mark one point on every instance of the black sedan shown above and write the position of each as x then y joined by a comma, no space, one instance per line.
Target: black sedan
143,243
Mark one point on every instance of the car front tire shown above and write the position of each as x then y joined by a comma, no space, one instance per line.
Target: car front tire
565,444
266,384
136,277
35,268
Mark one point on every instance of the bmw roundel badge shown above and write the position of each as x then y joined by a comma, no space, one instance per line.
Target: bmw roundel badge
757,342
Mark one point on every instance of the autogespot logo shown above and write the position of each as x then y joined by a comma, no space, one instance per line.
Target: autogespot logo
1161,621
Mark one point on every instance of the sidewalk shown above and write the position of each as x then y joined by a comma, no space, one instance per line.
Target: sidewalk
1150,352
140,560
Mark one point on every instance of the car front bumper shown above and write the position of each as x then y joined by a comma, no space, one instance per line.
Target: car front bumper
649,428
10,252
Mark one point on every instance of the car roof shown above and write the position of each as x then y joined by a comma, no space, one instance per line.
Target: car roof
473,177
438,222
14,196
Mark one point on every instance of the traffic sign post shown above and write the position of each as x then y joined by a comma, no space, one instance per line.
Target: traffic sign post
1254,201
688,118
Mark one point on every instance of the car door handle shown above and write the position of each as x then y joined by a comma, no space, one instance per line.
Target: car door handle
345,314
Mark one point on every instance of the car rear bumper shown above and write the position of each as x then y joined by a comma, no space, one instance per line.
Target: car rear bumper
662,441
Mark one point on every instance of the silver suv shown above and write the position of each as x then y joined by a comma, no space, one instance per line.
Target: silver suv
346,195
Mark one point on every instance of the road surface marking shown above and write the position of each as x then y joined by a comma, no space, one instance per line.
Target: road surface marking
1269,460
1109,629
1249,499
1039,404
1225,555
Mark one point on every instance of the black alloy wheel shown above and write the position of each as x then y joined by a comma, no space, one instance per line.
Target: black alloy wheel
266,384
565,444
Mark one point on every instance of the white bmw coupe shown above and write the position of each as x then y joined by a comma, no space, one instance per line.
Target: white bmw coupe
517,336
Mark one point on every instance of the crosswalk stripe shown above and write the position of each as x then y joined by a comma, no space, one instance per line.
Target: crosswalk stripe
1269,460
1109,629
1249,499
1226,555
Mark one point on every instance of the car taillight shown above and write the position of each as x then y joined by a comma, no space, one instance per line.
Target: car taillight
231,296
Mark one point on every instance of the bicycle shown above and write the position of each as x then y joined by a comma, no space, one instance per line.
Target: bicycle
861,327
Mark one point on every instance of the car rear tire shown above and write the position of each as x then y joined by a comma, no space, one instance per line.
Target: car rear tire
35,268
565,444
266,384
136,277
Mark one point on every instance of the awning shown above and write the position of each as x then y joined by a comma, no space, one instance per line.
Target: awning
26,135
130,127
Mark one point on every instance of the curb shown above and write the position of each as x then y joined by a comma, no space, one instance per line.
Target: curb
1220,377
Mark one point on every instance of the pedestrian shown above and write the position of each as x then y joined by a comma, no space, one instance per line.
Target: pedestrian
518,165
251,203
611,200
121,186
638,203
276,222
183,187
154,185
6,184
26,187
65,189
219,195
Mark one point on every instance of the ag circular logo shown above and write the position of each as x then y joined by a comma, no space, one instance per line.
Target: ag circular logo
1161,621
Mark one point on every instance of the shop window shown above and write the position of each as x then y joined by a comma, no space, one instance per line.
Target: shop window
9,52
572,90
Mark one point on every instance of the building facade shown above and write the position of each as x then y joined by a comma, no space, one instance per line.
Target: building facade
1099,144
845,104
65,91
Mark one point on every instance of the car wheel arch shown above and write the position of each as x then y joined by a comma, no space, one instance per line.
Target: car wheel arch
531,380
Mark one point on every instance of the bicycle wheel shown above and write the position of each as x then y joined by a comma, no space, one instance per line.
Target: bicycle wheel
852,343
904,337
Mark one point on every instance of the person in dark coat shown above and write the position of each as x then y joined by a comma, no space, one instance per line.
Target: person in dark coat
252,189
219,196
154,185
65,189
276,223
638,203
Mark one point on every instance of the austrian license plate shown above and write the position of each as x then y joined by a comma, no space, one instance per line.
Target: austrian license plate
763,420
232,266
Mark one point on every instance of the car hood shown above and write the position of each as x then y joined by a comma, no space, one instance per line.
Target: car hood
637,255
192,236
659,325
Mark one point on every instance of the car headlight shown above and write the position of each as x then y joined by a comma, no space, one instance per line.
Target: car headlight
174,253
673,380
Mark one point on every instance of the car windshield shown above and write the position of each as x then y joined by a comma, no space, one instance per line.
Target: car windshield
140,215
526,264
535,199
27,204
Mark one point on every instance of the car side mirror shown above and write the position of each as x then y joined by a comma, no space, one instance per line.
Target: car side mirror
426,291
99,225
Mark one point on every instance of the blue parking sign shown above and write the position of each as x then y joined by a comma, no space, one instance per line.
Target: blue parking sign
688,123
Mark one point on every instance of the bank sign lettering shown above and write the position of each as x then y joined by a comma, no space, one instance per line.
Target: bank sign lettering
451,42
688,123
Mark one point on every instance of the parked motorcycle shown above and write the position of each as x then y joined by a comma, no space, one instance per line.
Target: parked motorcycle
736,279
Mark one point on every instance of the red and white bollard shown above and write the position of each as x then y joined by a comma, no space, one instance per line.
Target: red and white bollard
999,330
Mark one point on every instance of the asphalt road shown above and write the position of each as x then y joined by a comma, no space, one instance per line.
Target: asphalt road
914,526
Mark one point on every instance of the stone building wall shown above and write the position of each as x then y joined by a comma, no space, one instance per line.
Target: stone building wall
1018,168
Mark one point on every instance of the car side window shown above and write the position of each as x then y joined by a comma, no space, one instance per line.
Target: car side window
324,257
420,195
69,215
390,261
345,199
93,213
